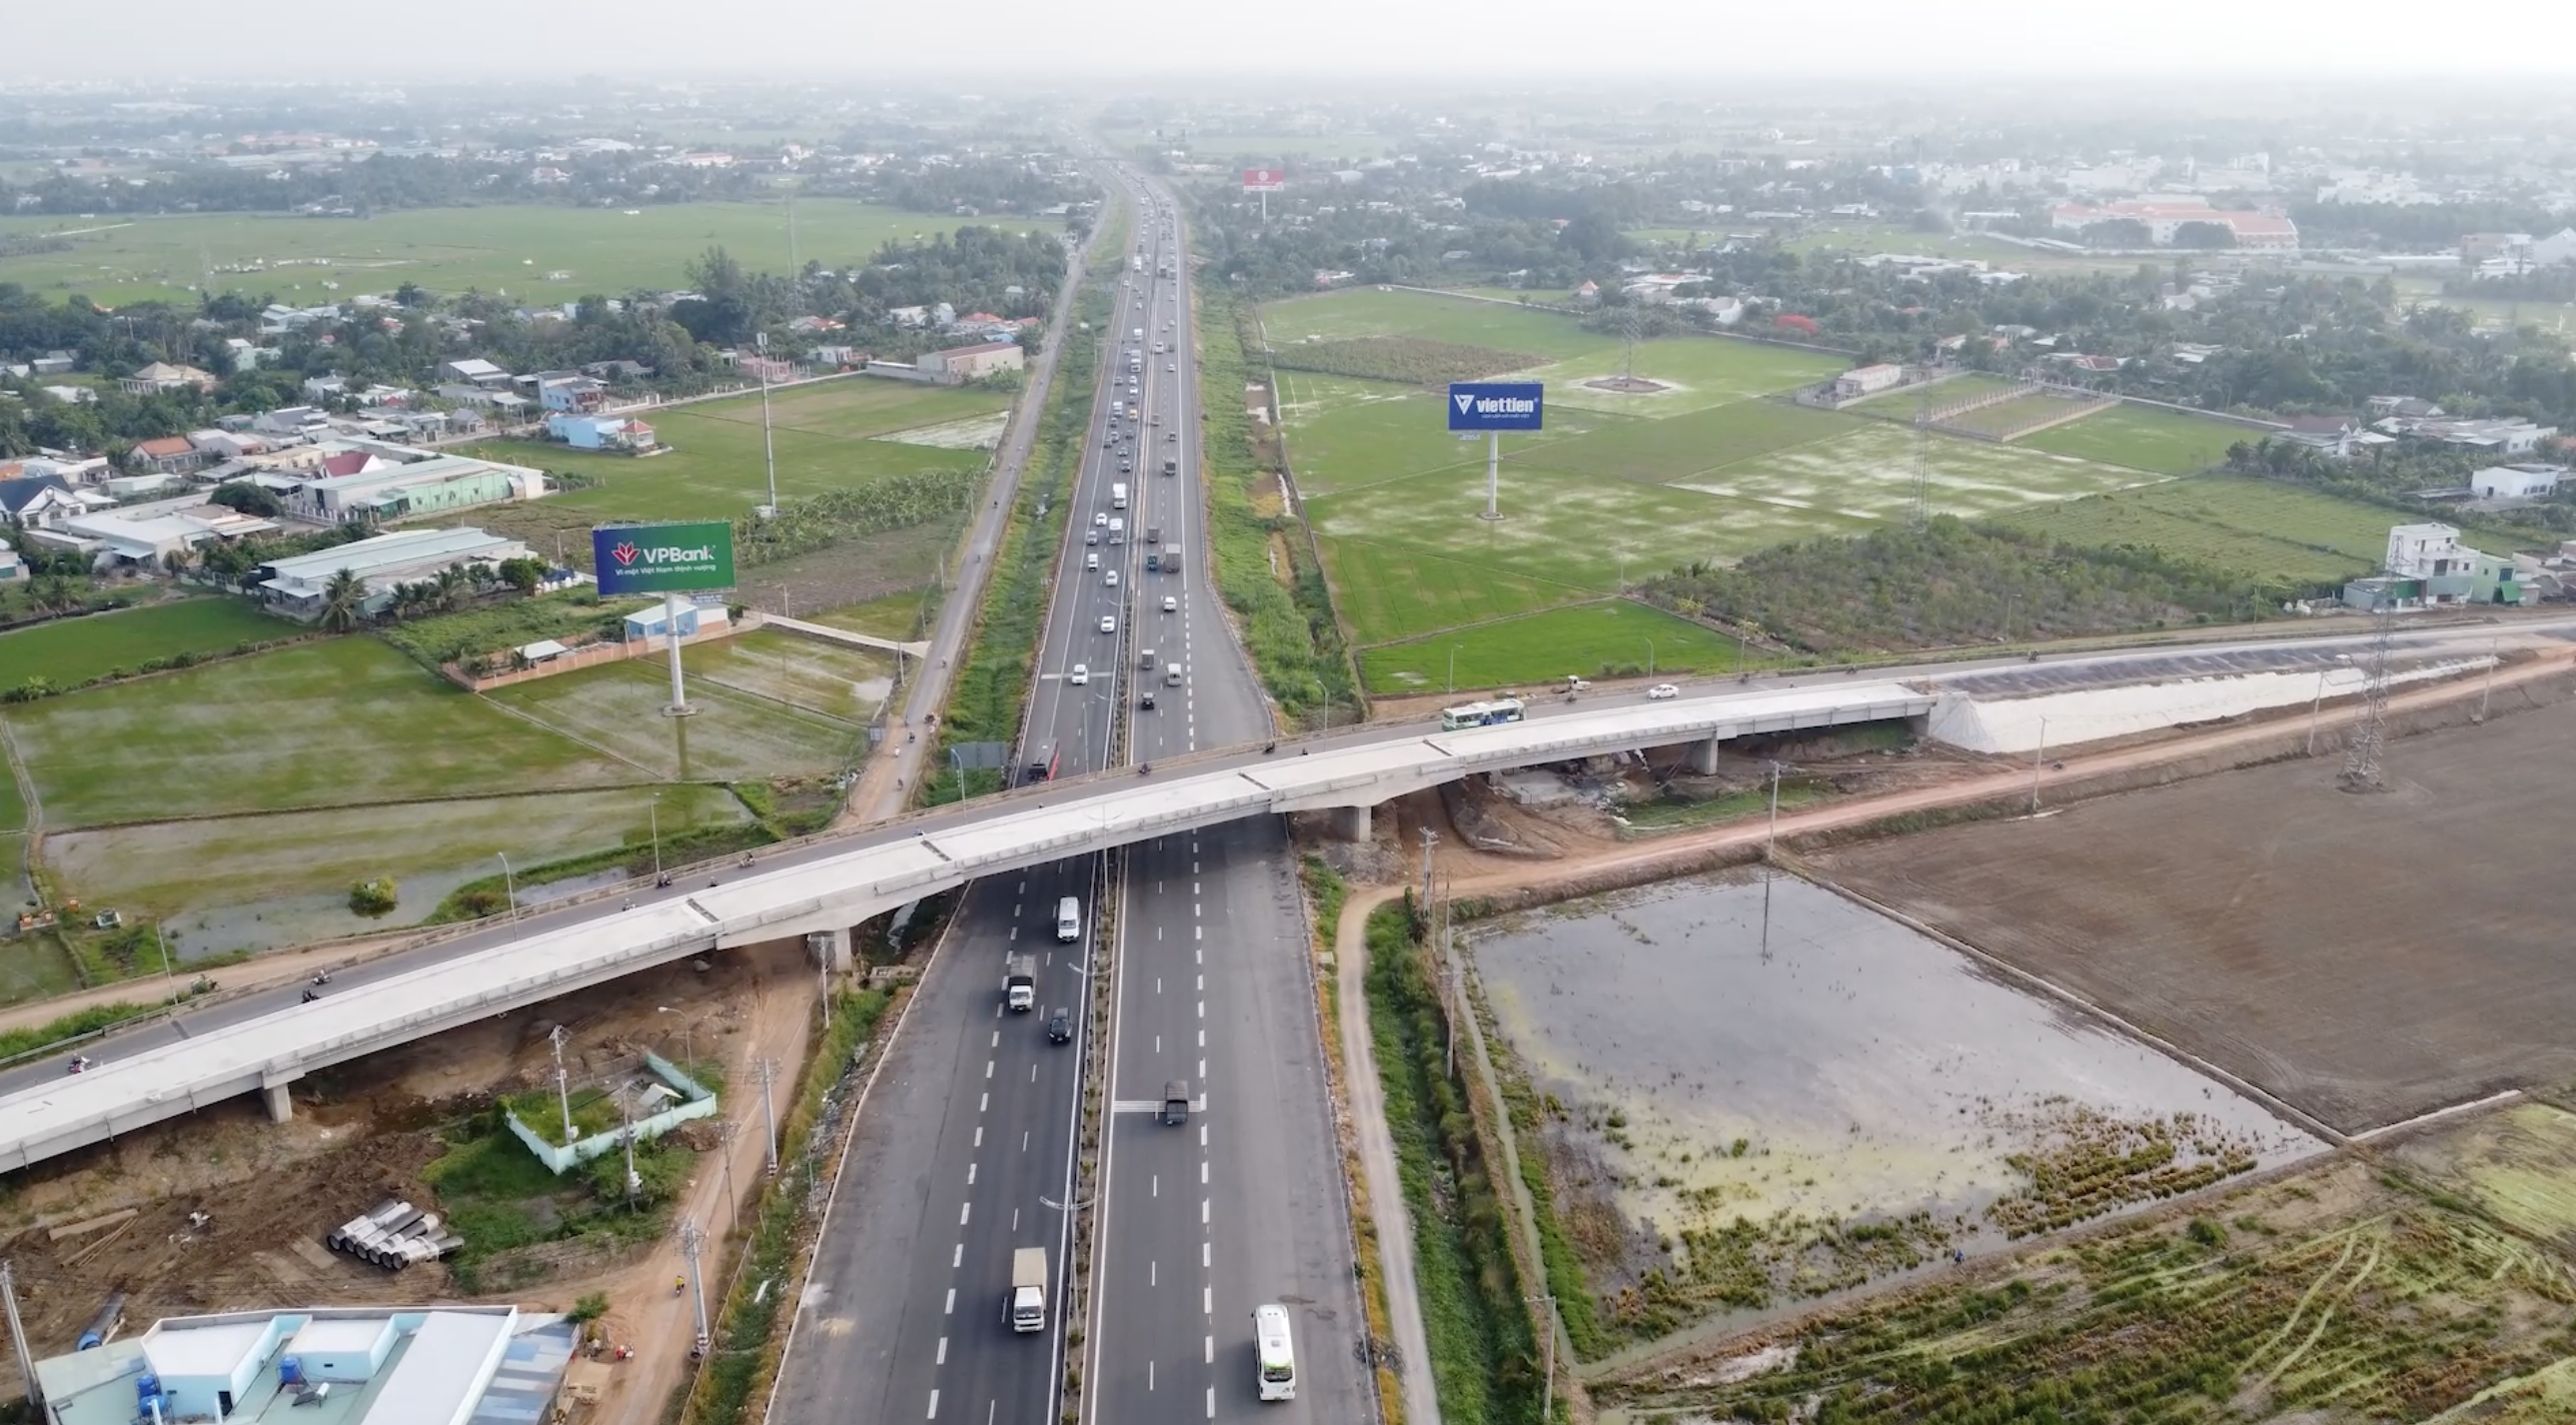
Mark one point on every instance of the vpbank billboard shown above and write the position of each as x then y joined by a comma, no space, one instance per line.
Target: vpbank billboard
662,558
1495,405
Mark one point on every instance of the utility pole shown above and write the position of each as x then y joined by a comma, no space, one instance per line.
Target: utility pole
725,1131
2037,757
2370,731
563,1094
2316,709
18,1335
691,1239
1771,837
627,1135
169,977
1430,838
656,813
768,1116
2493,657
510,883
768,447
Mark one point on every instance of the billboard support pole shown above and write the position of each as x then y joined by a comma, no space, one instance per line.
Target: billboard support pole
671,607
1493,474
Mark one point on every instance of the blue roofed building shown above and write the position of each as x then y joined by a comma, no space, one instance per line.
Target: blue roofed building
450,1365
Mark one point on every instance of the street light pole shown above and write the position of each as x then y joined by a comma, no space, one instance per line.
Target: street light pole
655,810
1771,837
2037,758
1453,668
1650,658
169,978
510,883
2316,709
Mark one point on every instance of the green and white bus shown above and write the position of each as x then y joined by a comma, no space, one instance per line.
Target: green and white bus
1278,1357
1484,714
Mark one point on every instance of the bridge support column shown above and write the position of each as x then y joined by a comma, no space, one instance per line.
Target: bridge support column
273,1092
1351,823
1703,756
830,949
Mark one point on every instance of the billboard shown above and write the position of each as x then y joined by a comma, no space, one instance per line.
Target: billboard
662,558
1264,180
1495,405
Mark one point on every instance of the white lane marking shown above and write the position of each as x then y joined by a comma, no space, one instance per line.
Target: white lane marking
1033,1073
1204,1250
951,1308
988,1068
997,1039
979,1128
1203,1212
1202,984
1202,1135
943,1352
1198,932
934,1404
1197,910
1202,1070
1202,1163
1153,1274
1211,1357
984,1103
957,1258
970,1175
1202,1009
1202,1038
1211,1402
964,1211
1207,1300
1149,1375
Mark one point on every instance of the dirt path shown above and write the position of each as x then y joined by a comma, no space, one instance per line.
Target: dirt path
643,1310
1377,1154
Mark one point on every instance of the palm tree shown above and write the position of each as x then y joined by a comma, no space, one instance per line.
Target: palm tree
451,587
342,599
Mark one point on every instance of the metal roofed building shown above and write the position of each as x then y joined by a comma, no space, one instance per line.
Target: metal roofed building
460,1365
294,585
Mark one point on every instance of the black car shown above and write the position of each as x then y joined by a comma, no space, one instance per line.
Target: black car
1059,1027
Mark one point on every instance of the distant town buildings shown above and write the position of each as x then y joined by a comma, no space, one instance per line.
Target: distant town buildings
2163,219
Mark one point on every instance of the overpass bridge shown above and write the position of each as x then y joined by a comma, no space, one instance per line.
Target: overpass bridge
827,885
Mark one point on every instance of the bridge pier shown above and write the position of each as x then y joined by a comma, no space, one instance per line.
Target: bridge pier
1350,823
1703,756
273,1093
830,949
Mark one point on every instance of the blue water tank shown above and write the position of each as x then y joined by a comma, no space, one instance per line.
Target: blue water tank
147,1388
290,1370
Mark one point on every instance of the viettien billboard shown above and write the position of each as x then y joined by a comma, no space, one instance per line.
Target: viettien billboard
662,558
1495,405
1264,180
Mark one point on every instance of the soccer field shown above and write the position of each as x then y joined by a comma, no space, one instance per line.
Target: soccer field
2144,438
533,253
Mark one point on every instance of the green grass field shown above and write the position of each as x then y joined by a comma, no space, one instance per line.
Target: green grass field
896,616
1366,311
826,437
1662,450
295,867
514,249
2143,438
72,651
1698,372
2004,417
2255,527
336,723
1524,653
1344,433
845,683
736,734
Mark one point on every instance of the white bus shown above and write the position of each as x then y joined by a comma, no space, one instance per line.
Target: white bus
1278,1357
1484,714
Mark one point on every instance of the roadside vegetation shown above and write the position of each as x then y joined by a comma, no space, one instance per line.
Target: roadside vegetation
1484,1352
1264,567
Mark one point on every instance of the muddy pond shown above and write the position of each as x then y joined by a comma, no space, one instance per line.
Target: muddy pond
1757,1090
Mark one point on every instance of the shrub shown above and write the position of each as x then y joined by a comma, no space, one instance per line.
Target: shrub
373,898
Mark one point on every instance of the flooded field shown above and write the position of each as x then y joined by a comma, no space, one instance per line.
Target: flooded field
1734,1118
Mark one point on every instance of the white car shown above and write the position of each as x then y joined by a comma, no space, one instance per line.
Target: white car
1171,605
1110,578
1080,675
1108,623
1100,520
1661,691
1171,366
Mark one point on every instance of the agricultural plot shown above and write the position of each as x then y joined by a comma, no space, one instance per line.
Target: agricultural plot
854,406
736,735
1591,640
1367,311
2005,419
1868,474
336,723
2143,438
1656,451
1344,433
2261,949
67,652
1691,372
2333,1294
533,253
1866,1103
1899,403
845,683
2258,528
1406,360
223,883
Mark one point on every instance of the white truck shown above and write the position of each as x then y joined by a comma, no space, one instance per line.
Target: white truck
1028,1289
1118,495
1020,983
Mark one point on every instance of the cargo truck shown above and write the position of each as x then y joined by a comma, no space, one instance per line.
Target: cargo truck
1118,495
1020,983
1028,1289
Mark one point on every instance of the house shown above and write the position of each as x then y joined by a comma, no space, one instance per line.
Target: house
2405,407
2491,436
54,363
71,395
907,317
618,433
226,444
323,388
12,567
169,455
474,371
1334,276
572,393
2425,551
2192,353
294,586
2516,482
376,491
1862,380
2335,435
113,539
2555,250
249,355
291,422
616,370
75,470
968,363
161,376
654,621
35,501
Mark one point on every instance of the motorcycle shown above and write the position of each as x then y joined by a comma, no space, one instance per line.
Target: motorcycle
79,1063
310,996
321,977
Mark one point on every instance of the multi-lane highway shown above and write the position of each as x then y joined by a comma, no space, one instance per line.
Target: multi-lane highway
970,1152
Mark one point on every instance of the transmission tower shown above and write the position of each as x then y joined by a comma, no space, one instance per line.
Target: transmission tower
1631,324
2370,732
1920,514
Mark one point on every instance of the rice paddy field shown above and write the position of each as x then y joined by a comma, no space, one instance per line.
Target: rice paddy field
752,719
2254,527
2143,438
1607,637
535,253
66,652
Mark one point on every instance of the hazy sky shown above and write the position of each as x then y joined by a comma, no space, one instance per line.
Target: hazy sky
2301,41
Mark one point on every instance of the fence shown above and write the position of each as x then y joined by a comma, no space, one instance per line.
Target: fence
697,1102
591,655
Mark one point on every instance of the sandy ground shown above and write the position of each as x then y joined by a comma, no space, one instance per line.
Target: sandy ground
1377,1154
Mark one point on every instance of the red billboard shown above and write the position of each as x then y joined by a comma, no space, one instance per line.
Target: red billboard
1264,180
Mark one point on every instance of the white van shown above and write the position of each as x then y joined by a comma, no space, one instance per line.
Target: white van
1068,918
1278,1355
